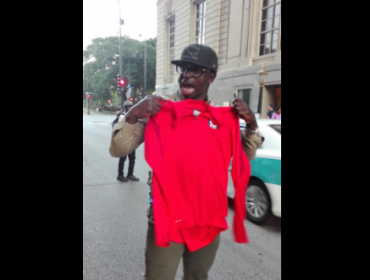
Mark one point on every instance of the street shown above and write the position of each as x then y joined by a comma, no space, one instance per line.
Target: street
115,222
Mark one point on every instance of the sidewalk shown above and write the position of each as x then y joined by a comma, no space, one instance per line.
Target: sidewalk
94,112
107,120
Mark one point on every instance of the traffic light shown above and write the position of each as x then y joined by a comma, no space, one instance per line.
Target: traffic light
118,86
122,82
131,99
89,96
109,101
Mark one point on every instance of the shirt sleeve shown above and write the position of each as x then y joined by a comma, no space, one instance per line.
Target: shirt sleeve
126,137
240,174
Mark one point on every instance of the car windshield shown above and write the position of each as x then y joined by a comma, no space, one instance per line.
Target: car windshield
277,127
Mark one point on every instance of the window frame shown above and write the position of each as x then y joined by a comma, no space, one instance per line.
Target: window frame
200,21
263,40
171,50
249,94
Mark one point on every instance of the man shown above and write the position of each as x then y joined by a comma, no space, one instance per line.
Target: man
270,112
197,68
132,156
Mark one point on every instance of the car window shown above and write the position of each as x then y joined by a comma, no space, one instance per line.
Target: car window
277,127
242,124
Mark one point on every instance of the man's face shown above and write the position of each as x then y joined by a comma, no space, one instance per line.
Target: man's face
192,87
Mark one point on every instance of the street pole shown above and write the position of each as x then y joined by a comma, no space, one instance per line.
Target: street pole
88,99
260,101
144,92
261,79
120,55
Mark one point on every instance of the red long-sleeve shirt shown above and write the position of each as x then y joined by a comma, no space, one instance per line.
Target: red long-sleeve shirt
189,145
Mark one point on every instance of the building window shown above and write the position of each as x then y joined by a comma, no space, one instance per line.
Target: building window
171,49
245,94
270,26
200,22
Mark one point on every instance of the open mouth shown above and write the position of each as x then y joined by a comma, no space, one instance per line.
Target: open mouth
187,89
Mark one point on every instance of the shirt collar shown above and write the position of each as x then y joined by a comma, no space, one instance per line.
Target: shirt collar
181,109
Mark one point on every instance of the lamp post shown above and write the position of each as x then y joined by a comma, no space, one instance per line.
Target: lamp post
144,68
261,79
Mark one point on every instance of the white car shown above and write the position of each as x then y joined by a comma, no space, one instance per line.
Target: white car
264,189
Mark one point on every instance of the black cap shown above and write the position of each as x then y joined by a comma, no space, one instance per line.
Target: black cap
200,55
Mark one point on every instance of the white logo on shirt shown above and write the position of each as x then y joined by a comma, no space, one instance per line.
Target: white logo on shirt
196,112
211,125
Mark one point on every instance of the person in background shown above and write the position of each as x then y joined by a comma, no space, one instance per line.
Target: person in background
277,114
132,156
270,112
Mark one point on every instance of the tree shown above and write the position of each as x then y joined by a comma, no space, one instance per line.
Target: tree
101,65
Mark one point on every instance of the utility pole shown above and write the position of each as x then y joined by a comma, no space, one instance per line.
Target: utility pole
120,55
144,92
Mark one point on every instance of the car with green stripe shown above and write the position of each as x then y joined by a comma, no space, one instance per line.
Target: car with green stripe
263,196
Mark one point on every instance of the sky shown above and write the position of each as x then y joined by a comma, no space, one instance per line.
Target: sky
101,19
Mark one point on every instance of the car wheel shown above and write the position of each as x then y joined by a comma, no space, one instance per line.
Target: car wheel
258,202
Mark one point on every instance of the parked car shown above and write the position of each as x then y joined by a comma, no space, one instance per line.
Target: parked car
263,195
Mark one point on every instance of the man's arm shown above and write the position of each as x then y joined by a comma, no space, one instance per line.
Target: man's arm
128,133
126,137
251,141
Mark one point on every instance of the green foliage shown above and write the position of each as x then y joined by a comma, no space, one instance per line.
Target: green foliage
101,66
115,98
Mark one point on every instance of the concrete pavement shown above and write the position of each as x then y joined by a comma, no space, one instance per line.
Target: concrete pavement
94,112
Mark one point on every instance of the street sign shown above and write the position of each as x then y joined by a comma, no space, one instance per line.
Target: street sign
89,92
129,86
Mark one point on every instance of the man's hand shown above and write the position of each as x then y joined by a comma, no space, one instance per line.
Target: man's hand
149,106
244,112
